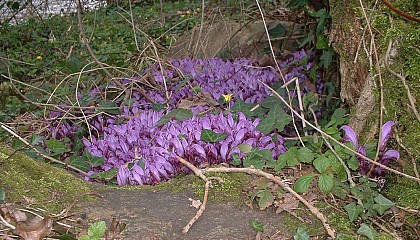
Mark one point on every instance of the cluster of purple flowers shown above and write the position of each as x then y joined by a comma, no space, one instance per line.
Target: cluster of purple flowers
146,153
140,139
385,154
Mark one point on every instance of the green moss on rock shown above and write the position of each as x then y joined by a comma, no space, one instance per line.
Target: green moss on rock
38,183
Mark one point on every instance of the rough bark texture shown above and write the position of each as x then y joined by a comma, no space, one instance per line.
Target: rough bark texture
347,34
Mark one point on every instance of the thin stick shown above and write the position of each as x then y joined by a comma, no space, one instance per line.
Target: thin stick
40,153
277,180
200,210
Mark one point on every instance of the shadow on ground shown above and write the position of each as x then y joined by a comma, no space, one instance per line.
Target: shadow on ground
163,214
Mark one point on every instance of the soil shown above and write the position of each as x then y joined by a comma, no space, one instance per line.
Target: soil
163,214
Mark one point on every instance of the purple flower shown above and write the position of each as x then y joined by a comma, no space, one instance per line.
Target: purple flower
385,155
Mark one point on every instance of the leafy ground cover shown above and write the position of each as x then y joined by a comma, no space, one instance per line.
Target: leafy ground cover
213,111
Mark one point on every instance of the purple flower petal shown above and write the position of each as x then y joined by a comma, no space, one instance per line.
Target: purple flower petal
122,175
391,154
386,134
349,135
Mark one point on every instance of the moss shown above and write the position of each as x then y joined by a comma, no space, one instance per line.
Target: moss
38,183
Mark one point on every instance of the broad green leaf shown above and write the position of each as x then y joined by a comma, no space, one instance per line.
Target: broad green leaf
305,155
322,163
281,163
367,231
107,175
257,226
36,139
210,136
353,163
94,161
270,101
289,157
267,124
353,211
97,229
245,148
282,119
277,31
79,162
383,204
303,183
326,182
245,108
266,199
301,234
56,146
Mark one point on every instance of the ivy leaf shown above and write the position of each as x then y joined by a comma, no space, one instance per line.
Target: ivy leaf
56,146
353,211
97,229
383,204
212,137
303,183
245,108
289,157
245,148
322,163
257,226
277,31
367,231
304,154
105,176
266,199
301,234
257,158
326,182
94,161
267,124
79,162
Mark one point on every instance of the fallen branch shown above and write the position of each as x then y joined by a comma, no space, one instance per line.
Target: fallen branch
314,210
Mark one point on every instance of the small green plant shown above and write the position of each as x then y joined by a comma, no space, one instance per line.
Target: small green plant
95,232
2,195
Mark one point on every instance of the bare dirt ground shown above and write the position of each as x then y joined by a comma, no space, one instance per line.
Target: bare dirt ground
163,214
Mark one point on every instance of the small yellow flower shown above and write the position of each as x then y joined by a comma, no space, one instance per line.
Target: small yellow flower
39,57
179,12
188,12
227,97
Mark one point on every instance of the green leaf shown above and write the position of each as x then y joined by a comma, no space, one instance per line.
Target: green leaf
326,59
97,229
277,31
353,211
36,139
257,226
301,234
245,148
326,182
353,163
303,183
290,157
257,158
109,107
266,199
322,163
321,42
2,195
236,160
107,175
56,146
281,163
245,108
367,231
94,161
79,162
210,136
305,155
383,204
267,124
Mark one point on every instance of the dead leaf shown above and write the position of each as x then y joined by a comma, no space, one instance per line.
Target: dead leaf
34,229
288,203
